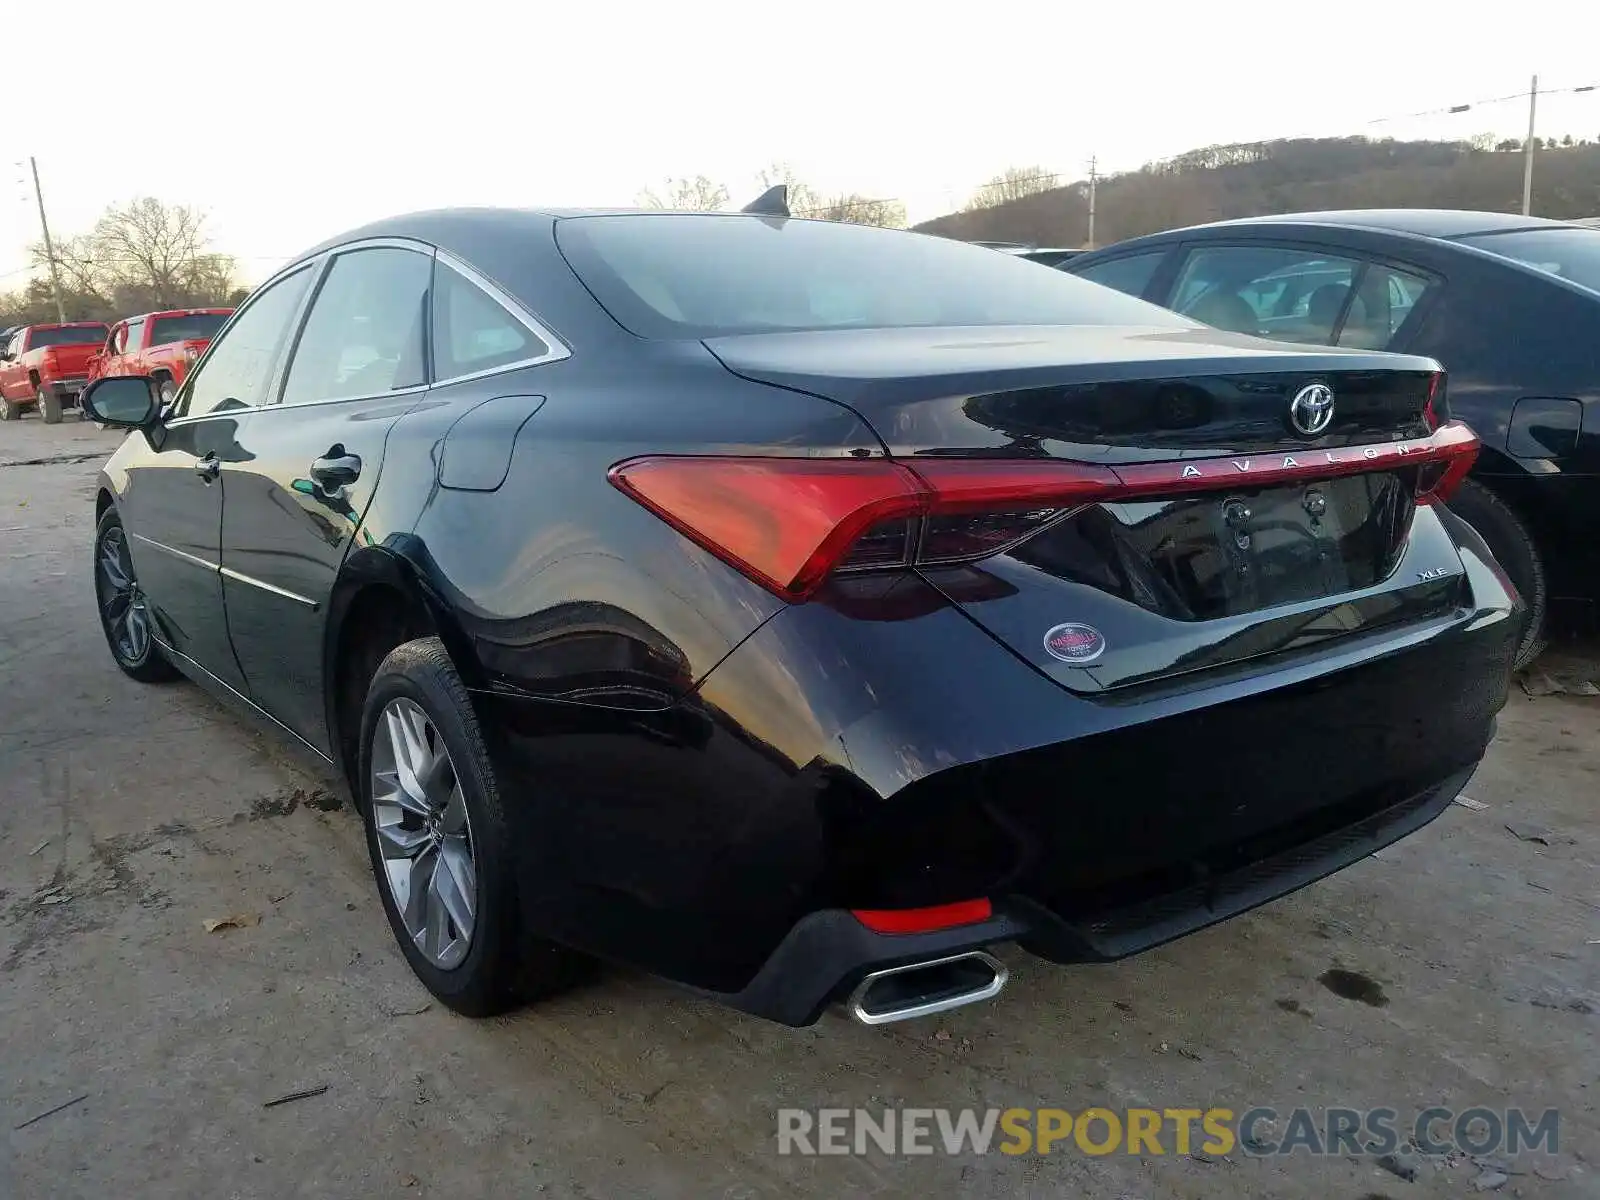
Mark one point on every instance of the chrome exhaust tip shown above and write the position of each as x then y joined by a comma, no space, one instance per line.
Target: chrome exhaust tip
924,988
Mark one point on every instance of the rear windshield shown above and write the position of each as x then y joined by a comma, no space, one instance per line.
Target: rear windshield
694,276
195,326
72,335
1570,253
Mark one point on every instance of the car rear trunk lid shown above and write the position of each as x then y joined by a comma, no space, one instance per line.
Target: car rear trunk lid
1253,498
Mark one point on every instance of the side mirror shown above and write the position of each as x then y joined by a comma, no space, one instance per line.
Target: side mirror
123,401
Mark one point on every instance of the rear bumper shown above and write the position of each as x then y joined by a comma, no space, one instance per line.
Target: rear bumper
827,953
69,386
882,751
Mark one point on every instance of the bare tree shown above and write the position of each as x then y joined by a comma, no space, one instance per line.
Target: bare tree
74,263
698,195
141,256
1013,184
855,209
159,247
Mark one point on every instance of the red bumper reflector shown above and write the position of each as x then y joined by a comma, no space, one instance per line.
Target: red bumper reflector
924,920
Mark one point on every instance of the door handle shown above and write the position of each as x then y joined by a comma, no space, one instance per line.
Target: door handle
336,469
208,468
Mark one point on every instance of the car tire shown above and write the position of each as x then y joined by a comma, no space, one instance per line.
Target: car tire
49,406
453,841
10,411
167,392
116,589
1511,543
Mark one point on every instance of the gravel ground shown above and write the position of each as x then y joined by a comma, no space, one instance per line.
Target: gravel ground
131,815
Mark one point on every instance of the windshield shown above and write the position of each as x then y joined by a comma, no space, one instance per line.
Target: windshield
70,335
191,327
694,276
1570,253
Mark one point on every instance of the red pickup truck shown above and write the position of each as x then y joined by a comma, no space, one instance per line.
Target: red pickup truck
47,366
161,345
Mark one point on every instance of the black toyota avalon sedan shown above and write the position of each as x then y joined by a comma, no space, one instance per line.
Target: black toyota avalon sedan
1509,304
799,610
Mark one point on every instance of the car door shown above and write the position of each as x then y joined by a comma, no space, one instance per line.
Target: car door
102,362
296,499
130,355
172,501
13,376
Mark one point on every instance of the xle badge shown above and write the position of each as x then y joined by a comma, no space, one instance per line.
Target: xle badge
1074,643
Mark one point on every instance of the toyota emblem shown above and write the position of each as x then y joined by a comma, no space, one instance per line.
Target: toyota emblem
1311,410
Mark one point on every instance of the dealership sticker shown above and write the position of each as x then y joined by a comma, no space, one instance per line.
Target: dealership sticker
1075,643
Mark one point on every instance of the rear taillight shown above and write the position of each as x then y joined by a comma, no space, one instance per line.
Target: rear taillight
788,523
1435,411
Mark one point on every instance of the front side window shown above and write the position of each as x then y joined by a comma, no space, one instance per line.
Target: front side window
1130,274
238,370
472,332
131,334
1270,291
363,336
696,275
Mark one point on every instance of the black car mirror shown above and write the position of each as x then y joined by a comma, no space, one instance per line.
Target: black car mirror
124,401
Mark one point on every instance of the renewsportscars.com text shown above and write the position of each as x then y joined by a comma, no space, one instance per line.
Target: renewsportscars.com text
1259,1131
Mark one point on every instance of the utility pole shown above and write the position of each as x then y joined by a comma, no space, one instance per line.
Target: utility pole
1527,151
49,250
1093,179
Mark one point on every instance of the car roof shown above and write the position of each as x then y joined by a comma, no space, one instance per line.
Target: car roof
437,225
1427,222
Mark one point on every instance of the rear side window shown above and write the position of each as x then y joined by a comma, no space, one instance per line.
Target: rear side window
471,330
677,275
1286,294
1384,299
363,336
1130,274
1568,253
189,327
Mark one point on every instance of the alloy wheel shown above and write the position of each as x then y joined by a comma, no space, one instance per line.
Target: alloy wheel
122,604
419,816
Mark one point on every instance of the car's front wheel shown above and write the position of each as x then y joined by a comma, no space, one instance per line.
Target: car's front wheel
124,613
438,837
10,411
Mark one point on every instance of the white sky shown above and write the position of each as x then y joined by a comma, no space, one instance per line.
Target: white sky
292,121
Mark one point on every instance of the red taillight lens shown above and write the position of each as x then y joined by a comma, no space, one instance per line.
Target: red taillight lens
1435,410
788,522
1454,448
785,522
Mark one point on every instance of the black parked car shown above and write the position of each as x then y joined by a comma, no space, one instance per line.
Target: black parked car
797,610
1509,304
